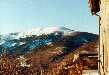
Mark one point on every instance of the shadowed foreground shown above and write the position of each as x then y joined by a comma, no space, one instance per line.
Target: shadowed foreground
10,65
49,60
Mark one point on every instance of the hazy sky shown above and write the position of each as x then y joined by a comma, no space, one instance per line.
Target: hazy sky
20,15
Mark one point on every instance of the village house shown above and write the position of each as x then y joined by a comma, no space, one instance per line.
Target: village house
100,8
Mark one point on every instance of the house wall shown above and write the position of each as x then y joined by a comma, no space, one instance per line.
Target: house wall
104,37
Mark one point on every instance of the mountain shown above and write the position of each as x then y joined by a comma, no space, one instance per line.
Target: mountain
48,51
23,42
62,60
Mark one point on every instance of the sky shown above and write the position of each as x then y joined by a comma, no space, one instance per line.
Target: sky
22,15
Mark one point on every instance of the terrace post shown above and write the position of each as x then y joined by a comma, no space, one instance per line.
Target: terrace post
104,37
103,7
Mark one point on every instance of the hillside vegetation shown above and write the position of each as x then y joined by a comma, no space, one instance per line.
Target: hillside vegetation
48,60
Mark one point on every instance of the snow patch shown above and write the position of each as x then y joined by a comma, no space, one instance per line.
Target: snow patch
21,43
13,44
2,42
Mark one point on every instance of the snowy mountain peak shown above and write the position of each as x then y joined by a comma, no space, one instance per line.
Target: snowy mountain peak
43,30
37,32
38,37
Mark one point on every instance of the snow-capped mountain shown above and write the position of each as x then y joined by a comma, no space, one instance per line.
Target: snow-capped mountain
22,42
41,31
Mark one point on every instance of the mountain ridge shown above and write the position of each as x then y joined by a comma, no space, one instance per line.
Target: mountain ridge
27,41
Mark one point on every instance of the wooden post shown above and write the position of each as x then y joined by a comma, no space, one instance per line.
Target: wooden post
104,37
